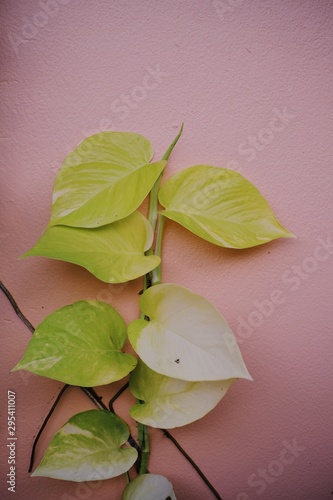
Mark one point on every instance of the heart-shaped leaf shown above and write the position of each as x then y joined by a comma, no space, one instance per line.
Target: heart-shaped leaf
220,206
170,402
104,180
88,448
186,337
113,253
80,344
149,487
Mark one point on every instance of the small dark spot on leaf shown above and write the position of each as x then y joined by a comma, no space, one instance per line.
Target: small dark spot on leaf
177,361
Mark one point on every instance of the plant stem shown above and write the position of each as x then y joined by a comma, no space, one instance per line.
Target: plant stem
94,397
172,145
194,465
149,280
16,307
145,449
156,274
153,204
116,396
53,407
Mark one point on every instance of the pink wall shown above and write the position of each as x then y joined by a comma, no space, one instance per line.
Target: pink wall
73,68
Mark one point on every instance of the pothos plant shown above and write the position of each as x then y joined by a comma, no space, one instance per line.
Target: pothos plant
187,355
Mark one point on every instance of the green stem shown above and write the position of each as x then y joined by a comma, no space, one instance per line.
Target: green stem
156,274
153,205
148,281
145,448
172,145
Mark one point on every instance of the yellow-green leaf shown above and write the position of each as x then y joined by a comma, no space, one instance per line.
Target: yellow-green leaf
220,206
104,180
169,402
113,253
88,448
80,344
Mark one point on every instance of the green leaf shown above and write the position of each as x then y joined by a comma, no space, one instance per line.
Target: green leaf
170,402
220,206
186,337
80,344
88,448
113,253
104,180
149,487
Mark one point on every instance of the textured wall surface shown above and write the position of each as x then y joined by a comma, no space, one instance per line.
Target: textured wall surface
253,83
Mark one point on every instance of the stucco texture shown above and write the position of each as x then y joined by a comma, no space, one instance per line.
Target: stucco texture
252,82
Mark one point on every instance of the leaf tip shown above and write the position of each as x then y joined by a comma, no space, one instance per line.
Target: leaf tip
16,367
25,254
38,472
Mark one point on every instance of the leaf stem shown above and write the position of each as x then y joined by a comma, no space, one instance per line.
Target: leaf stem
149,280
145,448
172,145
156,274
153,204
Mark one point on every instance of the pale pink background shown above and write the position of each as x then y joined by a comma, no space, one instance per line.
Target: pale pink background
223,71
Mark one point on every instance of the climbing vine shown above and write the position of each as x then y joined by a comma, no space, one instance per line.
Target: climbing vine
187,357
